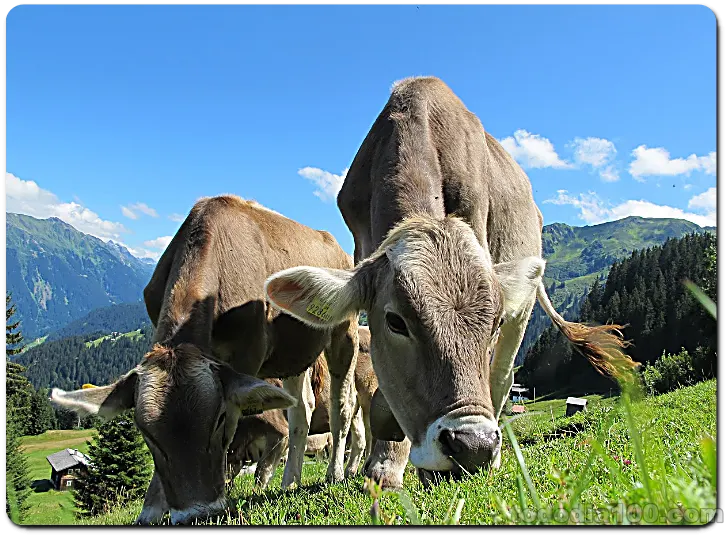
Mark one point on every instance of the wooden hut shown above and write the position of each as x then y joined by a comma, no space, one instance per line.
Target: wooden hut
67,466
574,405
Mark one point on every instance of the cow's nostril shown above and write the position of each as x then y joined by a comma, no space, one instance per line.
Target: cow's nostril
450,444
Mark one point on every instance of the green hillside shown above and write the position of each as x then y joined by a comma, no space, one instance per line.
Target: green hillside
576,256
57,274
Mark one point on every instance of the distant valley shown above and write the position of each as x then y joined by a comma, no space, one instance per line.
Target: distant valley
67,284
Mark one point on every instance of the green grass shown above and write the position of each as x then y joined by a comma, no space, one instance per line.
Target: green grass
51,507
652,453
133,335
34,343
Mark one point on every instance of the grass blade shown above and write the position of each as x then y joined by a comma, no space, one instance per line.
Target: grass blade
709,456
704,300
584,476
411,511
637,445
522,465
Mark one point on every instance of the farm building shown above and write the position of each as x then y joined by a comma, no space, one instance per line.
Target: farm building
67,466
517,392
575,405
518,409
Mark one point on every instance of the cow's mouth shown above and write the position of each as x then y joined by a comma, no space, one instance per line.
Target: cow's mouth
432,477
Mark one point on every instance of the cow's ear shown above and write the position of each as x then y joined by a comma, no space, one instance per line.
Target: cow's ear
250,395
318,297
104,401
519,281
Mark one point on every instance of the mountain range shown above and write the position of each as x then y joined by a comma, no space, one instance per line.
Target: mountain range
67,283
57,274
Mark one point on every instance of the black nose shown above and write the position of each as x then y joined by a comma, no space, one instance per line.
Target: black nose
471,449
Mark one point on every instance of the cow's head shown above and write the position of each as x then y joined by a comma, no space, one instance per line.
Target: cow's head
435,304
187,407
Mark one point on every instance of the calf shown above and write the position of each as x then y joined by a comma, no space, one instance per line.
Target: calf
207,293
263,439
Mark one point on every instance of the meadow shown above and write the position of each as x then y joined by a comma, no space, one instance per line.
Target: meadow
47,505
645,460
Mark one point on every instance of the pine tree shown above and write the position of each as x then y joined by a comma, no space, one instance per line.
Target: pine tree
120,467
18,389
12,338
17,482
42,415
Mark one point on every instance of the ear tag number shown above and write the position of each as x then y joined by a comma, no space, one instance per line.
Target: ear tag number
320,309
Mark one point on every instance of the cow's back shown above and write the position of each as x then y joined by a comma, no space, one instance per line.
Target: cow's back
428,154
208,287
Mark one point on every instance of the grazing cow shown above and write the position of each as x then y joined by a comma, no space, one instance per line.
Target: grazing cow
448,268
207,291
262,439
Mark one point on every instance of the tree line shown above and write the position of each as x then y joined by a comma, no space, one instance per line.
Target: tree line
120,461
646,293
74,361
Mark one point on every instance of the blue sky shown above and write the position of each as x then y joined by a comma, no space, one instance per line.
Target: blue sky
120,117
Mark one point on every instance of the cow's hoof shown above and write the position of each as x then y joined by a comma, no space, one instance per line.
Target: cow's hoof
334,477
386,475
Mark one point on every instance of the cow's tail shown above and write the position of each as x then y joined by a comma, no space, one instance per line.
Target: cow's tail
319,376
602,345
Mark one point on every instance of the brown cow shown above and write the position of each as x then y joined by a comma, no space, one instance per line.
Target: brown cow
262,439
207,291
448,267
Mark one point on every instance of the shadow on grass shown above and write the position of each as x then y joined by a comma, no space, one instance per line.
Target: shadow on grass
42,485
272,495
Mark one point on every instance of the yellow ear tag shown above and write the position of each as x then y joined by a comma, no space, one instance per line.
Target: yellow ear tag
89,385
320,309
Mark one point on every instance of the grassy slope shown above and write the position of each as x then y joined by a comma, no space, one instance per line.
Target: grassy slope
133,335
51,507
670,427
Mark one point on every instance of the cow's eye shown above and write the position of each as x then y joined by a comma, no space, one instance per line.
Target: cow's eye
396,324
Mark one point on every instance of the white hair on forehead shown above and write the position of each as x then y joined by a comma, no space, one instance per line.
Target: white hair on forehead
153,388
156,383
407,246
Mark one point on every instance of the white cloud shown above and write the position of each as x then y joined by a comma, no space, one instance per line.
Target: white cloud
328,184
609,174
162,242
130,210
128,213
151,248
657,161
706,201
177,218
533,151
599,154
140,252
26,197
593,210
593,151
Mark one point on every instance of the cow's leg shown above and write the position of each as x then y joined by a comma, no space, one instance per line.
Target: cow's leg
387,463
341,360
365,409
299,417
502,366
509,340
277,445
357,444
154,504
